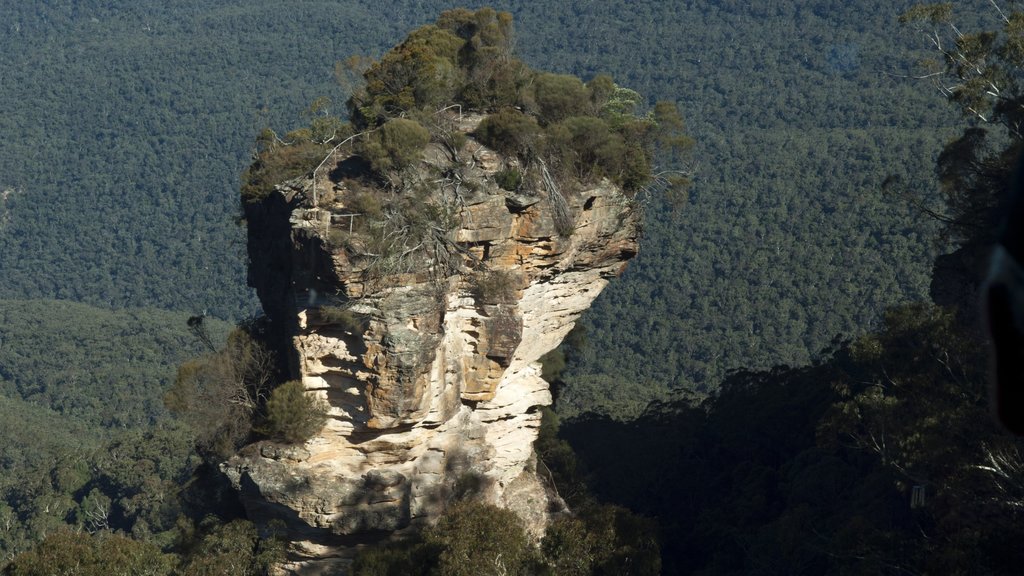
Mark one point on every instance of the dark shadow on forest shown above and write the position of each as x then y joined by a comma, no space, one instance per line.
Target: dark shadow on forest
743,485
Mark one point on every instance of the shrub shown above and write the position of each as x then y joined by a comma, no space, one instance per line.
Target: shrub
420,72
619,105
395,145
601,88
559,96
67,552
587,146
567,548
476,538
622,542
343,317
276,162
403,558
231,549
509,179
368,204
494,287
470,539
293,415
510,132
219,394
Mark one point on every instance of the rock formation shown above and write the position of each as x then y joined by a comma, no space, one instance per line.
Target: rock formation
418,307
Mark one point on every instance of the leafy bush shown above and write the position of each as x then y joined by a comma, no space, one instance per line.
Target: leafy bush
343,317
510,132
494,287
233,549
587,146
420,72
509,179
397,144
476,538
568,548
470,539
293,415
78,553
559,96
465,58
219,394
277,161
403,558
493,76
622,542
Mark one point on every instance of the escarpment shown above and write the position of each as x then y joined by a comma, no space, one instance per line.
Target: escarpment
418,311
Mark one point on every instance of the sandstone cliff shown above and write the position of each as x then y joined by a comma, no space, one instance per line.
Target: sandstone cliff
418,307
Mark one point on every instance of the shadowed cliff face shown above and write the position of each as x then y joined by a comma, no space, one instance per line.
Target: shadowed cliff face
418,310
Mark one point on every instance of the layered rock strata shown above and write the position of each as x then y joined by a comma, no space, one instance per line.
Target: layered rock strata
427,355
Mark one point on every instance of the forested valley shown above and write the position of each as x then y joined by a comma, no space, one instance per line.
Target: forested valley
718,408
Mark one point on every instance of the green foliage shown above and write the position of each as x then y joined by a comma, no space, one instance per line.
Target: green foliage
475,539
45,459
395,145
916,401
612,102
560,461
600,538
470,539
219,395
493,77
567,548
586,147
465,58
408,557
978,71
621,541
293,415
67,552
509,179
510,132
494,287
669,131
277,162
558,96
233,549
324,127
343,317
136,483
592,130
421,72
827,481
92,365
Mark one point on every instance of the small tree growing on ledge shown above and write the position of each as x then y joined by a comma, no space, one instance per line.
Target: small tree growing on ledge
220,394
293,415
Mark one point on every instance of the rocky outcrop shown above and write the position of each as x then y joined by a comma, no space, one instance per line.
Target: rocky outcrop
420,318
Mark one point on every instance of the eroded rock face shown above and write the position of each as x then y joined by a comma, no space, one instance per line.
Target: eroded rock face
427,355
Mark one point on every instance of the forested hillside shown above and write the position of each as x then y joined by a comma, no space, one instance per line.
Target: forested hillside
109,369
82,418
131,123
